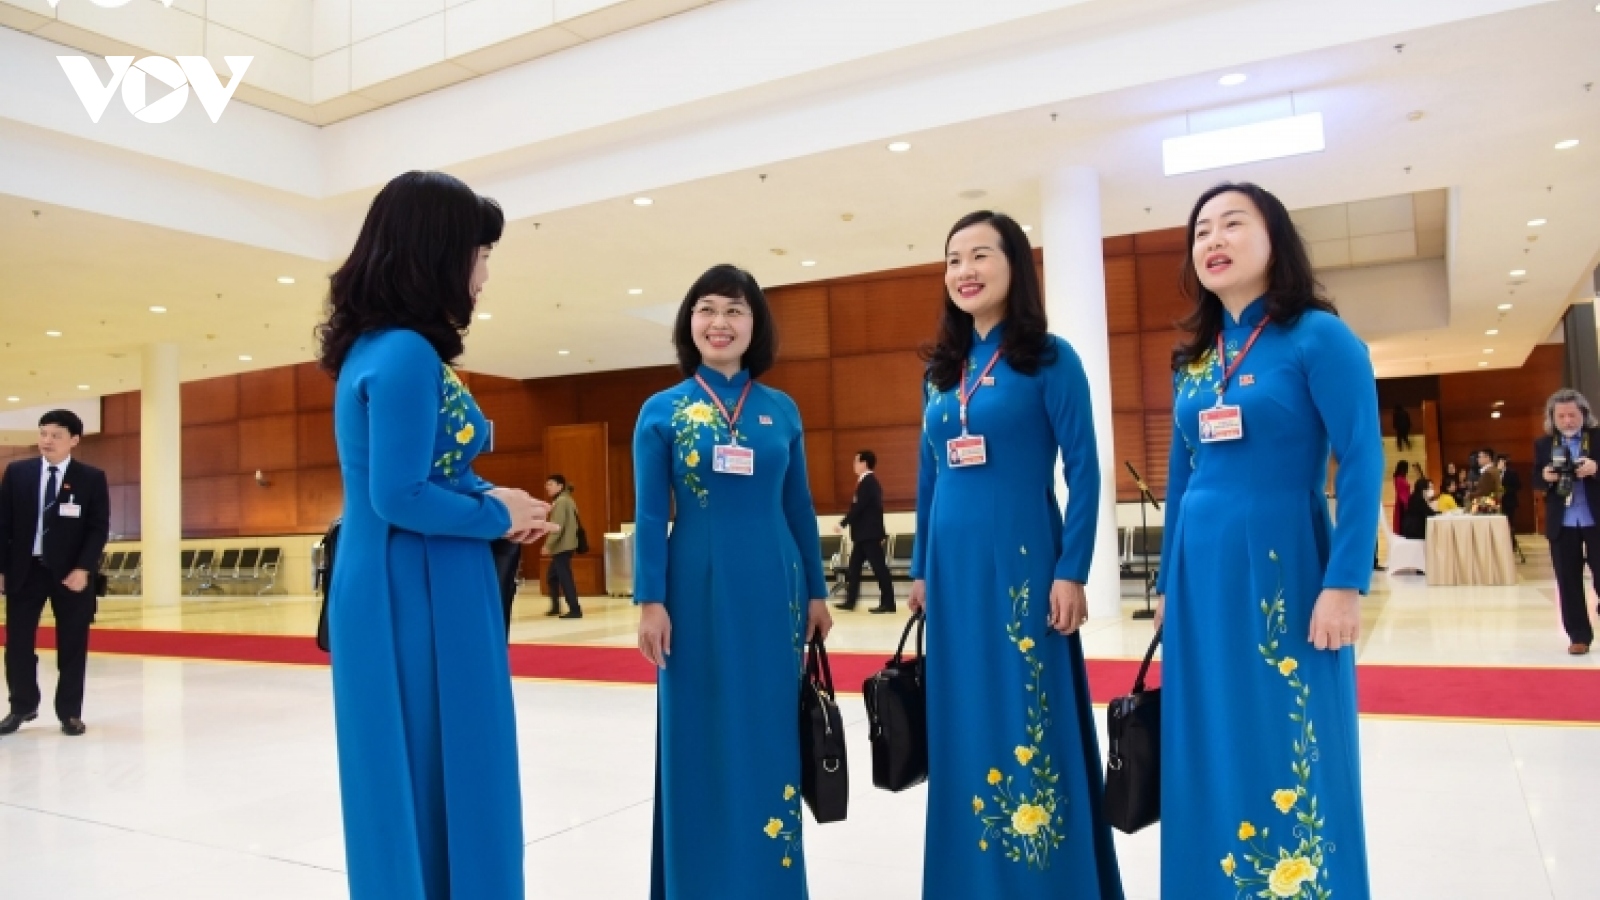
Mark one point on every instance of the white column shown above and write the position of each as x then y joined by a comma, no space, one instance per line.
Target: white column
1075,299
160,475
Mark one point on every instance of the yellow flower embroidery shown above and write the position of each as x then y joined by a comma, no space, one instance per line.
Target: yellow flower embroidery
994,776
1246,831
465,434
1024,754
1228,864
1287,666
1025,644
693,459
977,805
1029,818
1284,800
983,844
699,413
773,827
1289,874
787,862
788,792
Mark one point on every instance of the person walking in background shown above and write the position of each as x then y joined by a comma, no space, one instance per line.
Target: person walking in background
1570,492
727,602
867,536
1488,484
560,546
1014,773
55,517
426,729
1402,427
1402,493
1261,764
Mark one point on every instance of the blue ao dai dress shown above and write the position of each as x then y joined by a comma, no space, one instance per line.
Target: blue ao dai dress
1014,777
737,574
1260,766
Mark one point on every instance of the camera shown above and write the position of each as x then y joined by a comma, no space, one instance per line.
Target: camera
1566,468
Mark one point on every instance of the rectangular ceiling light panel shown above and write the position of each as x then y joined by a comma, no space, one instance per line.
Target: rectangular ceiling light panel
1246,144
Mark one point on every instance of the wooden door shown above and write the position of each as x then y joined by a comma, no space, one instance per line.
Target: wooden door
580,453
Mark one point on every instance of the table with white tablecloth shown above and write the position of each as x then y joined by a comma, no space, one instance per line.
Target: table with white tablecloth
1466,549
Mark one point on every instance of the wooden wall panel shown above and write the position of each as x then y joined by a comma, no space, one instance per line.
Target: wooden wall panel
810,384
876,390
313,387
117,454
125,510
801,314
891,314
1118,245
822,466
898,450
1127,378
581,453
268,443
210,449
1167,240
620,465
555,402
119,413
1161,300
211,505
616,397
319,498
273,509
1128,436
1155,364
1158,444
267,392
1122,295
512,412
522,469
314,442
210,400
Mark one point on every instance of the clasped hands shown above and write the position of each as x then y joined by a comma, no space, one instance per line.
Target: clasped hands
528,516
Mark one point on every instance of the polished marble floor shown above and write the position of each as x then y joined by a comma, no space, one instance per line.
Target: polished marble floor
217,780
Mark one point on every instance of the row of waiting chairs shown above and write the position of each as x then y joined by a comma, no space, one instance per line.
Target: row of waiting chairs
203,570
836,558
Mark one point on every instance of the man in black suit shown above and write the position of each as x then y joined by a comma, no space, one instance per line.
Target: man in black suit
55,516
867,535
1570,516
1510,497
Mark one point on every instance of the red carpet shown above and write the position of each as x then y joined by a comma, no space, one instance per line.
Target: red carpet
1449,692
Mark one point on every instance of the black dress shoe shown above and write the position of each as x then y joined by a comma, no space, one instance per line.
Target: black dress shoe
73,727
553,612
575,614
12,722
845,605
881,609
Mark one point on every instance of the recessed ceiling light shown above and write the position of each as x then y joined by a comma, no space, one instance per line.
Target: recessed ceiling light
642,201
899,147
158,309
1518,273
1483,365
1495,414
52,334
636,291
1027,228
245,358
564,352
1488,349
83,387
1492,331
1499,403
1415,115
484,317
13,399
1535,223
1567,144
808,262
285,279
1233,79
1504,306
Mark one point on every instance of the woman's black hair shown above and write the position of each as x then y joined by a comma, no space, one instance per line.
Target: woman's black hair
1026,343
1422,485
1292,288
1402,469
411,266
560,479
735,283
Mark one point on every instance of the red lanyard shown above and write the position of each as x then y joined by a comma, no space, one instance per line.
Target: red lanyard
737,410
966,395
1228,370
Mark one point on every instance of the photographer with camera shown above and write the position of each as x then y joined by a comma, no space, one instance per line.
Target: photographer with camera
1564,464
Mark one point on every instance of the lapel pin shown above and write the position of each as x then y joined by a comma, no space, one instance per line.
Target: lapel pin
1246,380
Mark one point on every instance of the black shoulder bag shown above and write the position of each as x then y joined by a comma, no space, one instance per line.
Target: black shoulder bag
824,773
1133,767
324,582
897,712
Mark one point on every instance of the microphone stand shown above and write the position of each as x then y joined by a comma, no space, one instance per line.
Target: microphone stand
1144,536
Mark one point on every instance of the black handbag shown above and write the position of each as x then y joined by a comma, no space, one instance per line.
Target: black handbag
1133,767
323,578
897,712
824,770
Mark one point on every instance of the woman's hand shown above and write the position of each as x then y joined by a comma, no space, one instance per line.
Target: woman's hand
527,513
820,622
1336,619
1069,608
918,601
655,633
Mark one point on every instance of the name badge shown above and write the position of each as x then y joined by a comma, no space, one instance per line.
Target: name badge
69,510
967,450
1221,423
730,459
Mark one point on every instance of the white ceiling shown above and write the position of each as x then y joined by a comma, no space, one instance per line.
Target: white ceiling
1496,93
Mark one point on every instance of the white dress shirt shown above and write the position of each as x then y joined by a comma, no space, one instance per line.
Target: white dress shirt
44,481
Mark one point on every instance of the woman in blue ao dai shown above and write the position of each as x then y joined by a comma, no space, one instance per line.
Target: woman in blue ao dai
726,602
1260,766
421,685
1014,783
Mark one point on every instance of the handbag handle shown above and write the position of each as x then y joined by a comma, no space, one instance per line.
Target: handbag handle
817,668
1138,683
915,621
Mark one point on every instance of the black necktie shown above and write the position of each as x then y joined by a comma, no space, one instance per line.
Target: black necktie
50,488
